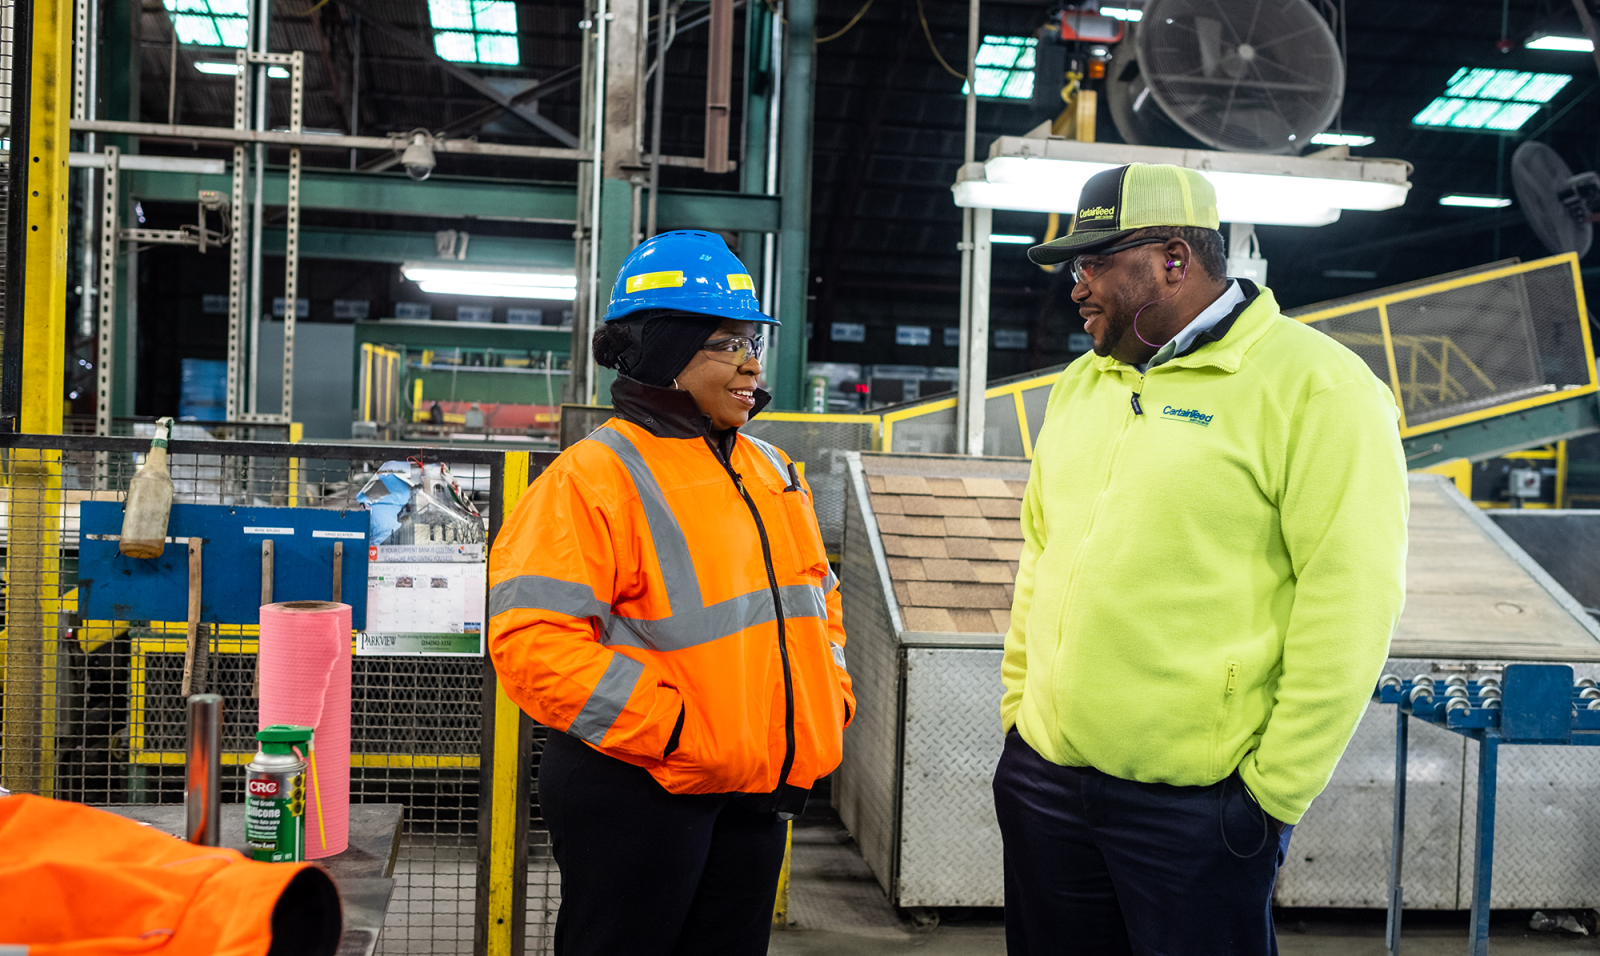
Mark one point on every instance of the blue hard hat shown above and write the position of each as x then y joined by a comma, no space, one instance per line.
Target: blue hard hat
687,271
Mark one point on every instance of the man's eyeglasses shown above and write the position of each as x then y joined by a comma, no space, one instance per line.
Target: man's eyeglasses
1091,266
735,349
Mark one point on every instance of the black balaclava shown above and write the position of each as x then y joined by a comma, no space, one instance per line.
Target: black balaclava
664,344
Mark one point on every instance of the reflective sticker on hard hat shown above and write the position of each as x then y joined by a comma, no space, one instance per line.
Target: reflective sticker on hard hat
738,280
655,280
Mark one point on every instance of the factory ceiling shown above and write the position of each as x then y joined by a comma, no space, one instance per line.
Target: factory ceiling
888,141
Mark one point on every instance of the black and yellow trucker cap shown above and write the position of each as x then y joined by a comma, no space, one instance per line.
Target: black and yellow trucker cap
1137,196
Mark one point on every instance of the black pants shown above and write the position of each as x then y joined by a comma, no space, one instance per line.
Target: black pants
644,871
1099,865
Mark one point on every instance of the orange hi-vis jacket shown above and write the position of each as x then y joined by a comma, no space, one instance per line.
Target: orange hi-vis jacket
77,881
667,598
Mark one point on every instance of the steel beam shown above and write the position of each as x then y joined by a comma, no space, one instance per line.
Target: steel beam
291,272
332,141
456,198
719,86
441,197
28,669
45,296
975,385
237,247
105,361
1494,437
759,78
719,211
787,377
373,245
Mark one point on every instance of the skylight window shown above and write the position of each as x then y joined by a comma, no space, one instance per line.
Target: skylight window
1005,67
475,31
1500,100
210,22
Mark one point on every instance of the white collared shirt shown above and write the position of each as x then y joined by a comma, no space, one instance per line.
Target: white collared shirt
1204,322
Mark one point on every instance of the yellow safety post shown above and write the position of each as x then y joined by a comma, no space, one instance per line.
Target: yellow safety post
1561,474
366,381
33,555
780,907
508,806
417,414
297,431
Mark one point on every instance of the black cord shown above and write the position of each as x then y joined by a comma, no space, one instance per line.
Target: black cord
1222,827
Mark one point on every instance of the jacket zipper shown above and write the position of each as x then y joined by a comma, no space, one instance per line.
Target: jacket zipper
777,606
1094,512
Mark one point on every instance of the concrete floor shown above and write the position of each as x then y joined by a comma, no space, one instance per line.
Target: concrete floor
837,908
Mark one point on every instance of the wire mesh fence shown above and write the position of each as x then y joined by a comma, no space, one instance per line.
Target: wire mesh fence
1474,345
92,709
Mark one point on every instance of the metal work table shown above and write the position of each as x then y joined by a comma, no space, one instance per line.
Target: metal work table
364,872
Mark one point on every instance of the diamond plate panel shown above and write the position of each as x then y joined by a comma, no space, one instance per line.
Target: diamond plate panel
950,849
1339,854
864,784
1547,825
1547,822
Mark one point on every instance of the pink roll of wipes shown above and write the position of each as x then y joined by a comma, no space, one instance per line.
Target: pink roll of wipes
305,680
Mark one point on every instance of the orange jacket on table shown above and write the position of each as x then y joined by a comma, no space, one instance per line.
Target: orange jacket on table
634,604
76,881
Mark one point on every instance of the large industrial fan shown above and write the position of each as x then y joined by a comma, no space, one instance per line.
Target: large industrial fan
1239,75
1560,207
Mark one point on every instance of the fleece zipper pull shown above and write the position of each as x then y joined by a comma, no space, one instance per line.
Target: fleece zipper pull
1134,401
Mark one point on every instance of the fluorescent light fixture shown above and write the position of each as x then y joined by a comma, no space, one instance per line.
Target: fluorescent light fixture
1005,67
1560,44
1342,139
475,31
165,164
1474,202
1012,240
447,278
232,69
1481,98
1046,175
1125,14
210,22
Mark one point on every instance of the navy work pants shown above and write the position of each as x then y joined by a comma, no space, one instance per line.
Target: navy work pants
645,872
1101,866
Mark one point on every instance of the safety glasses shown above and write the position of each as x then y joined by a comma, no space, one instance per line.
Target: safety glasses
1088,267
735,349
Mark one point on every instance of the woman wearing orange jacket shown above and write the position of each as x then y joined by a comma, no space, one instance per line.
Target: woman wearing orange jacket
661,599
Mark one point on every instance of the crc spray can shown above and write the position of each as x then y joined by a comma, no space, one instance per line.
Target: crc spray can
275,795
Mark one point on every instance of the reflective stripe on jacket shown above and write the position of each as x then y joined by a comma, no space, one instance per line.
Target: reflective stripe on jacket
77,881
673,609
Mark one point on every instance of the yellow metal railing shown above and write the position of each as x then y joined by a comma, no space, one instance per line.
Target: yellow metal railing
380,383
1011,392
1431,371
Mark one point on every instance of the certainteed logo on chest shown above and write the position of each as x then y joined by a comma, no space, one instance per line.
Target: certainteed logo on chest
1193,415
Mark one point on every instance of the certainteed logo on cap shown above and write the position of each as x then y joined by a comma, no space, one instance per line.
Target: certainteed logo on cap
1097,212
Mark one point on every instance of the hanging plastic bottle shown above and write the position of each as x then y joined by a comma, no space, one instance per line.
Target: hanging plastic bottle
149,504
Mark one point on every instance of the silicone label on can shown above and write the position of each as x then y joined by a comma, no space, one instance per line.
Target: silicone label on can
274,816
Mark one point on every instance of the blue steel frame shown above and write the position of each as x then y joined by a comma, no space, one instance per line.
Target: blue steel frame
1535,704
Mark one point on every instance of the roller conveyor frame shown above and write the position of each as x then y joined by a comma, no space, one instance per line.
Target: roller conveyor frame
1536,704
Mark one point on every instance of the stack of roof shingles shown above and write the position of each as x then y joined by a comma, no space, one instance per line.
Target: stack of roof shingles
952,545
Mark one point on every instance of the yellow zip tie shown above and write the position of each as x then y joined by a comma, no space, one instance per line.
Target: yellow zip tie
316,786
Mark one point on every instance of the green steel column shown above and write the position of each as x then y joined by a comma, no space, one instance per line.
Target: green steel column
757,106
794,243
119,92
616,241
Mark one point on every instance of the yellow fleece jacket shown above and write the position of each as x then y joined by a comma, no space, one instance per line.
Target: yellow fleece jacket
1212,571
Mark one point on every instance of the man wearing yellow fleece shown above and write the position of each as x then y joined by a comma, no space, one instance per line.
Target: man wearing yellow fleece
1214,562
